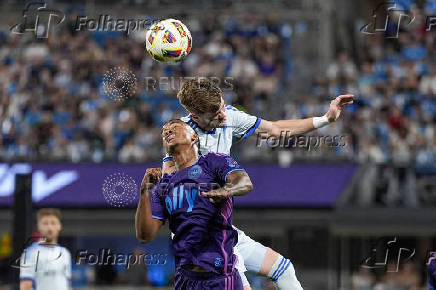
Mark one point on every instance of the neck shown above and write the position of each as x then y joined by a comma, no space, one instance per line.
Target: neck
184,156
50,242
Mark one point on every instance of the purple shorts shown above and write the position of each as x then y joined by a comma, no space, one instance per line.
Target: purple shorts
189,280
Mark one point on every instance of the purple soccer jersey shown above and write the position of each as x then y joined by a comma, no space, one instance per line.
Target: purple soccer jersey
203,232
432,272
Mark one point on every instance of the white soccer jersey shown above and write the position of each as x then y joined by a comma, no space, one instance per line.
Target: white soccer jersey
239,124
47,266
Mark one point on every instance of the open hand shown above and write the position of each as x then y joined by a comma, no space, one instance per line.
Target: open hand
337,105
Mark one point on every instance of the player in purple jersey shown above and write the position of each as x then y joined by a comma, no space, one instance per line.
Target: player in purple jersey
197,200
432,272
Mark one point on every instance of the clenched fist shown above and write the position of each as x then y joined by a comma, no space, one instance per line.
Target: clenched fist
151,177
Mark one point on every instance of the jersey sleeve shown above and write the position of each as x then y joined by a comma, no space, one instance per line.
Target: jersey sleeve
223,165
243,124
28,264
68,265
157,209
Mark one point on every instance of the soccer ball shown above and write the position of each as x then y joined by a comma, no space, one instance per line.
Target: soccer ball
168,41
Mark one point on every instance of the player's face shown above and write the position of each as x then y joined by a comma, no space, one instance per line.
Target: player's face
174,134
49,227
214,119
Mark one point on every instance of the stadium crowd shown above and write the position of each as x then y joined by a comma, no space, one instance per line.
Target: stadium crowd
56,105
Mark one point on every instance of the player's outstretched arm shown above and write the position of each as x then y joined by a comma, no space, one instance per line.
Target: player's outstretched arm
146,226
302,126
238,184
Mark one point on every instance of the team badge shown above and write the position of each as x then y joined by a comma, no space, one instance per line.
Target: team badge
195,172
232,163
218,262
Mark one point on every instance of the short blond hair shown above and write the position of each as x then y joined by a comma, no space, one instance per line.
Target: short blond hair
200,95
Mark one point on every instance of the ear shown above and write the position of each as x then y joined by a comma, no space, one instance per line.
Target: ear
194,138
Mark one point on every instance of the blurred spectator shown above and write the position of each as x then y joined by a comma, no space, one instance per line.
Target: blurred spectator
105,273
362,279
136,275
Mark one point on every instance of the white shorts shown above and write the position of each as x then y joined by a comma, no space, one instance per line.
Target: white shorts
240,266
249,252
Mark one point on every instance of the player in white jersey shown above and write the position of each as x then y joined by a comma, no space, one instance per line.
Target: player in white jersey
45,265
216,124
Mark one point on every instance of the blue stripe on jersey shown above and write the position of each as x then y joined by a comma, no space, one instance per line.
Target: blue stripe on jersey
157,217
252,129
230,107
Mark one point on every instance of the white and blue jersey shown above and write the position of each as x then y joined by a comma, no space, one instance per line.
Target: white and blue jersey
219,140
47,266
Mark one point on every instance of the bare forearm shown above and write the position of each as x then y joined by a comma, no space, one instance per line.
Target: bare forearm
294,127
285,127
146,227
238,184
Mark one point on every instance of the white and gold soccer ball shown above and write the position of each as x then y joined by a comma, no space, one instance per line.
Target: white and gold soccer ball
168,41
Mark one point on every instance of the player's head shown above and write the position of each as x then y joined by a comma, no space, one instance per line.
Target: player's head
176,133
49,224
202,98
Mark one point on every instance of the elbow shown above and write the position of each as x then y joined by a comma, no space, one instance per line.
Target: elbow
144,237
250,187
248,184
